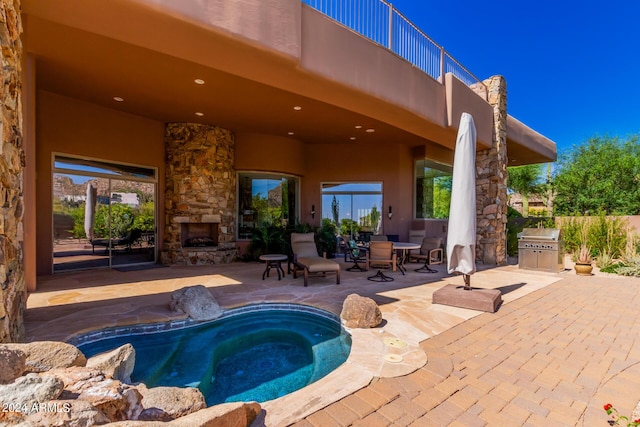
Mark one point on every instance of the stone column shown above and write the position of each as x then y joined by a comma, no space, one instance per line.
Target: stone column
13,295
491,183
200,188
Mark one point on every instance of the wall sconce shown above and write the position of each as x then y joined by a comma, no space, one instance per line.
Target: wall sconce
313,211
390,212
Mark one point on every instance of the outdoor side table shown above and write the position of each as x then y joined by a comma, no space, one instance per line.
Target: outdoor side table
273,261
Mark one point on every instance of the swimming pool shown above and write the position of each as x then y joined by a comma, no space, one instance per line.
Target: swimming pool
258,352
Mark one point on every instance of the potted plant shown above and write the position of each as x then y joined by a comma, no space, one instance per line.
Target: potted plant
583,265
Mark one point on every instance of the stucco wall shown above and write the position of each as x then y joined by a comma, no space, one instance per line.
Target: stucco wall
391,164
259,152
69,126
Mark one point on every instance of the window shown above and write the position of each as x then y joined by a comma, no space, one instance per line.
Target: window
265,199
355,207
433,189
104,213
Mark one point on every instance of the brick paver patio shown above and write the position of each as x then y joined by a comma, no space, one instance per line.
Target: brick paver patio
551,358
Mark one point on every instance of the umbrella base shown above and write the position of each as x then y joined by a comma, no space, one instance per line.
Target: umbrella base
475,299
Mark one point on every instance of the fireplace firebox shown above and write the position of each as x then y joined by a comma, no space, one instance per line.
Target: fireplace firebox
199,234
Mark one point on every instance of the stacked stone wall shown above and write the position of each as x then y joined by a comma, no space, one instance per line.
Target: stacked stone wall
491,183
12,284
200,187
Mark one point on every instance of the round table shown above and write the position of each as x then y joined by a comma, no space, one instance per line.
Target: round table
273,261
403,249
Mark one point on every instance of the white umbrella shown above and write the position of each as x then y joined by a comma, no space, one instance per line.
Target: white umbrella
461,236
90,210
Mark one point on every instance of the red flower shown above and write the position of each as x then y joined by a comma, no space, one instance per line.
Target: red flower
608,406
637,421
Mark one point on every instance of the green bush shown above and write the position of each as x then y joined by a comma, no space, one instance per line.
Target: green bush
606,236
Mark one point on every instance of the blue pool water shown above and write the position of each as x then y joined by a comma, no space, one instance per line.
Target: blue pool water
259,354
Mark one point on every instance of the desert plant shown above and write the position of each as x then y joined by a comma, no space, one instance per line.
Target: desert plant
604,260
584,256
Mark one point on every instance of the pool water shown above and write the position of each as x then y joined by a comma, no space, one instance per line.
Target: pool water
259,354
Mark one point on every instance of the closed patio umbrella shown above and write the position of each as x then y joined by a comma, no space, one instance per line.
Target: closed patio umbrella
90,210
461,236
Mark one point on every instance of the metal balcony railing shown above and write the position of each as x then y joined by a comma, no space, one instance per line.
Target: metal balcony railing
380,22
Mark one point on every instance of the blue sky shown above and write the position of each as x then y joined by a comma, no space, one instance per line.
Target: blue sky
572,68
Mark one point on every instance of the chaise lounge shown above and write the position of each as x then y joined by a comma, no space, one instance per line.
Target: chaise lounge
306,258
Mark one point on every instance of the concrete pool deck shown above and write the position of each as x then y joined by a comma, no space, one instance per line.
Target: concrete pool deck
374,386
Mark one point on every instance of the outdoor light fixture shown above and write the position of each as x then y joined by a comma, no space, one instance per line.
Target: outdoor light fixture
390,212
313,211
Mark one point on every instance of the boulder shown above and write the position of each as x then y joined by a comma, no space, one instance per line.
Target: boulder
116,400
154,414
13,364
45,355
197,302
360,312
68,413
30,390
175,401
237,414
117,363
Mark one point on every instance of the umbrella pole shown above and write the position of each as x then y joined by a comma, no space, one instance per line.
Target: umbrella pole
467,282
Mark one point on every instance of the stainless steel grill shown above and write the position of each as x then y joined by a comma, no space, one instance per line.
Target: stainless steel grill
541,249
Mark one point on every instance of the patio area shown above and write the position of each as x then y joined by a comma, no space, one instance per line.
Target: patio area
559,348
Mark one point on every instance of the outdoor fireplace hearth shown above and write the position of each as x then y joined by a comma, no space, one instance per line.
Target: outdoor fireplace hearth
199,234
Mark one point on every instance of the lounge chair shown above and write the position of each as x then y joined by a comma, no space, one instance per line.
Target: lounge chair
120,243
430,253
306,258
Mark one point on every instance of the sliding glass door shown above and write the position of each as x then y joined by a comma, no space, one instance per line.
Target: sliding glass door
104,214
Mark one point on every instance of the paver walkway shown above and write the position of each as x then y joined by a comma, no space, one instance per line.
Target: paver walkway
551,358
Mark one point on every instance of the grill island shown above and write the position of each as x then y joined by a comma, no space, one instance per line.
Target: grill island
541,249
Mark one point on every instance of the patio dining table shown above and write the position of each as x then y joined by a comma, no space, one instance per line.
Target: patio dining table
404,249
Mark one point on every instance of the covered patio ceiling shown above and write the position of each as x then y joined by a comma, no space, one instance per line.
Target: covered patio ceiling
89,66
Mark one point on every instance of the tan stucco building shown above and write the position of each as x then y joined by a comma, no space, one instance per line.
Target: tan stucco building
187,100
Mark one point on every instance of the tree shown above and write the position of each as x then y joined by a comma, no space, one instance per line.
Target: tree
525,180
335,210
601,174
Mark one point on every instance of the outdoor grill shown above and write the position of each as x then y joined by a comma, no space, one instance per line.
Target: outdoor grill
541,249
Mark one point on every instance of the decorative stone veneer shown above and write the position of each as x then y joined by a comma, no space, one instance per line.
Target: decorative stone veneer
200,187
491,183
12,285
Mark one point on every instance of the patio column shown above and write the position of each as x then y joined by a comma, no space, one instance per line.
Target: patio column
13,295
491,183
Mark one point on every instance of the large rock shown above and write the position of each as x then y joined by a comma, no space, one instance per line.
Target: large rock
175,401
45,355
360,312
197,302
68,413
30,390
117,363
237,414
12,364
116,400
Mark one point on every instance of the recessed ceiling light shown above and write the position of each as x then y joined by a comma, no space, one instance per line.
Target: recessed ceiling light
290,133
199,81
358,127
352,138
117,98
370,130
297,108
199,114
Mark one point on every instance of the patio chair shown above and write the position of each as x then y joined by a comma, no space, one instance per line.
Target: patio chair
430,252
124,242
382,254
306,258
356,254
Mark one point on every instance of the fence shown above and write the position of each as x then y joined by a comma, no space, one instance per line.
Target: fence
380,22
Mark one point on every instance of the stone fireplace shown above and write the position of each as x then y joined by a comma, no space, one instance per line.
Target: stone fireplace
200,195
